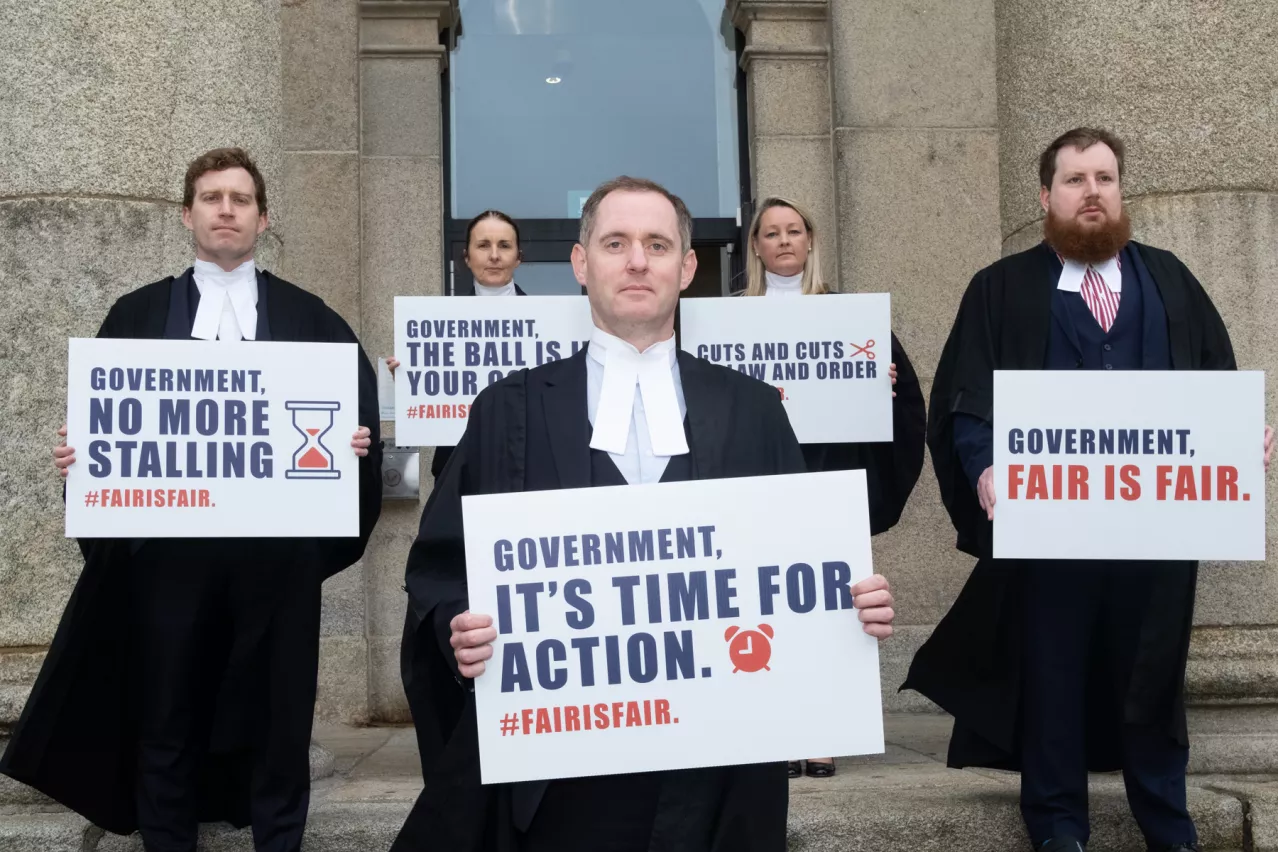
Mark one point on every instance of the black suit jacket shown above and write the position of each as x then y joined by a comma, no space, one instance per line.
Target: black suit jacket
442,454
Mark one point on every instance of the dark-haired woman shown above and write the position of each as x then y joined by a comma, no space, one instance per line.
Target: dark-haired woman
492,255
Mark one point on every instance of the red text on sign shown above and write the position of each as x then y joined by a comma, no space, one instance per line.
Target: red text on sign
1046,482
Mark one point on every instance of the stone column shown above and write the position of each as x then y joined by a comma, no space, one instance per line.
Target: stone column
104,106
320,81
916,161
1193,90
787,65
402,233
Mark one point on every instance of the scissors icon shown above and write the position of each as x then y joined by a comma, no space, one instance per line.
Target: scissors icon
867,350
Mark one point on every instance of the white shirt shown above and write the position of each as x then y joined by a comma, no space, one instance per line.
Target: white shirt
1073,271
656,381
228,302
506,290
783,285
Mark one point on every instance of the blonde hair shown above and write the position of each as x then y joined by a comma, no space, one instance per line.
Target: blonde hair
756,279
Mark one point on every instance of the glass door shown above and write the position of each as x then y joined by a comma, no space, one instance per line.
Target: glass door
546,99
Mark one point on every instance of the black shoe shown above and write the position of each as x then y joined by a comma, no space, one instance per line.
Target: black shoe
1185,847
1062,844
794,768
819,770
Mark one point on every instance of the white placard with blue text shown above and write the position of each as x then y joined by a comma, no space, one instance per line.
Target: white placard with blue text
194,439
449,349
668,626
1129,464
828,357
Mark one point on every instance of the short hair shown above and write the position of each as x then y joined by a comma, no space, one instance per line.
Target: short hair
634,184
491,214
218,160
1081,138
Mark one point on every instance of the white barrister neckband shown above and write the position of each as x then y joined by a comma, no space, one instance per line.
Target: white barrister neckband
783,285
1073,272
507,289
624,368
228,302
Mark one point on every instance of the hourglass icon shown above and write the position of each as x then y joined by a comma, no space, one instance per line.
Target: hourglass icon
312,460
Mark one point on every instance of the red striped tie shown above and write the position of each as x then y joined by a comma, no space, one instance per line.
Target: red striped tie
1101,301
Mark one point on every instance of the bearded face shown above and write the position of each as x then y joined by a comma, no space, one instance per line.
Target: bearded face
1086,220
1087,241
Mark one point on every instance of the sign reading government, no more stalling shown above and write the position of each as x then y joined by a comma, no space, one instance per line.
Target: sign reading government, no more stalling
449,349
194,439
668,626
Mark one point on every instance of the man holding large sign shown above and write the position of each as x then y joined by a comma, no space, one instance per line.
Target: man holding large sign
1058,666
181,682
629,410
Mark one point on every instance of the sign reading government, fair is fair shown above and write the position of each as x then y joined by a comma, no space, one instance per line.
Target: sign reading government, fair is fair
828,357
193,439
450,349
669,626
1129,465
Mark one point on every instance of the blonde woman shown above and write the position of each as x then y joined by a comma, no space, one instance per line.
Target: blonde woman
784,260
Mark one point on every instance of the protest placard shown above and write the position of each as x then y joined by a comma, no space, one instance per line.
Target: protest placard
1129,465
669,626
449,349
827,357
193,439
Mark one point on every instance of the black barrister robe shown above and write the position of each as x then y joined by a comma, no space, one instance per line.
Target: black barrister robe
74,741
736,427
971,665
891,467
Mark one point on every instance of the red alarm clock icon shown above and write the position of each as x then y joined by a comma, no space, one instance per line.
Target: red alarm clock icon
750,650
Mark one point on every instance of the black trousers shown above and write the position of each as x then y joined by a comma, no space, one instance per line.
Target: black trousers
1079,615
212,629
610,813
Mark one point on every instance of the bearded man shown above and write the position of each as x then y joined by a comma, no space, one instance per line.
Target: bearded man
1056,667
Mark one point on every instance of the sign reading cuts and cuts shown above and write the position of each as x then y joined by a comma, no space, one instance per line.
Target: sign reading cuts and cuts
668,626
1129,465
449,349
828,357
180,439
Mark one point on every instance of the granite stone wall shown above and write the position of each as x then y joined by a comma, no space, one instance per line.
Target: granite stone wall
104,104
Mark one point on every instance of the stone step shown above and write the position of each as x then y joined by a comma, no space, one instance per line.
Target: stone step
869,818
903,800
